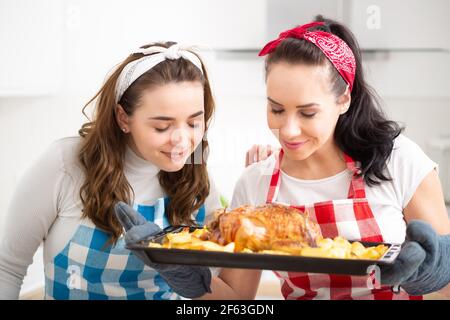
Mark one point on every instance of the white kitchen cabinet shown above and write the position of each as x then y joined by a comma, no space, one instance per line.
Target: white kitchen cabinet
37,37
399,24
286,14
128,23
232,24
377,24
31,47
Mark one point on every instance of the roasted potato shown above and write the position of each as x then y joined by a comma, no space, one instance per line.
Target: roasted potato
338,248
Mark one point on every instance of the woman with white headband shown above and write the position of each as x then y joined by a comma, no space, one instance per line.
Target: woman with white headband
145,147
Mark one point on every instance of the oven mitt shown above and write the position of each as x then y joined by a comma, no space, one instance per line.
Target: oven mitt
423,265
187,281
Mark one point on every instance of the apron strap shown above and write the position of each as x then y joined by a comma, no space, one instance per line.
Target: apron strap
357,185
356,189
274,186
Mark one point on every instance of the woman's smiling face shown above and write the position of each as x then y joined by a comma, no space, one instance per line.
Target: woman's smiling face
168,124
302,111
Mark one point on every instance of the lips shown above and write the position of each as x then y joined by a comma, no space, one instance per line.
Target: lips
294,145
176,155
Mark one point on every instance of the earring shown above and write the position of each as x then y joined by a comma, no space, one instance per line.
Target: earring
124,130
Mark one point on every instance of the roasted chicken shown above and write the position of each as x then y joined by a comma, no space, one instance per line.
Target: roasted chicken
265,227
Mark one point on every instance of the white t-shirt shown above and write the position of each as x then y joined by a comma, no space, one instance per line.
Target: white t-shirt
408,165
46,206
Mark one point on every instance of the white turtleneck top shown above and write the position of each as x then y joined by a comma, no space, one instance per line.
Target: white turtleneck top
46,207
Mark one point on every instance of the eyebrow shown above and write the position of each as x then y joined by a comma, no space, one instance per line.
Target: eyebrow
307,105
171,119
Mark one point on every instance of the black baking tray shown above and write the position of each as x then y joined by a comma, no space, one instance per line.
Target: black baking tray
355,267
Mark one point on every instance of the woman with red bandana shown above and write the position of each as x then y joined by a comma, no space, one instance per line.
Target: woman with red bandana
359,177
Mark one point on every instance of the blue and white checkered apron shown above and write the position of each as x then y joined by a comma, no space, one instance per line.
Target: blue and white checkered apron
89,268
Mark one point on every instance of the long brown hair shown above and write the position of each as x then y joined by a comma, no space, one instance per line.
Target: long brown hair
104,144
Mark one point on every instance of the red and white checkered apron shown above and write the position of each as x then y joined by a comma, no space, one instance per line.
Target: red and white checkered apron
350,218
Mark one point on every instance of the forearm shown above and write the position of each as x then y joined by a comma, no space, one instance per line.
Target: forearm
234,284
9,285
220,290
445,292
13,267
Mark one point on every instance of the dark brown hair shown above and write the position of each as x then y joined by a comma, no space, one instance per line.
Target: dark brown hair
363,132
104,145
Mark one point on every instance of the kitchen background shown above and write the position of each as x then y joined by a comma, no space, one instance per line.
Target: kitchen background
54,55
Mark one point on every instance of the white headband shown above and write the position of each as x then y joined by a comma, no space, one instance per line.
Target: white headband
137,68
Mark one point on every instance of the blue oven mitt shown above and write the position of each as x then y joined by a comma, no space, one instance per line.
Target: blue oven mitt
187,281
423,265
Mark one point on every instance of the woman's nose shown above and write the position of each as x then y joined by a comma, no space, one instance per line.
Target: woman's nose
180,137
291,128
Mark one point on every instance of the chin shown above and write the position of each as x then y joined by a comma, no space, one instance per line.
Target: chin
298,155
172,166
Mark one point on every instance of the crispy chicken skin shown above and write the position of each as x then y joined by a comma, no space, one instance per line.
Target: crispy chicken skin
265,227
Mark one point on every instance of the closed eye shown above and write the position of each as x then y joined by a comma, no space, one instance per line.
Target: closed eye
276,111
161,129
195,125
308,115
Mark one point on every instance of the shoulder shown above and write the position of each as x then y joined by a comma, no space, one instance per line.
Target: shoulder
66,151
67,148
253,183
59,162
57,156
408,166
404,145
406,154
48,181
258,170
